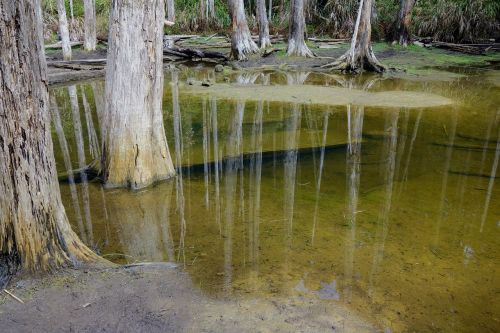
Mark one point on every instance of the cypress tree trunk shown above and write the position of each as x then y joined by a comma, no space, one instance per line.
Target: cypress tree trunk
360,56
404,21
135,153
34,229
170,10
90,38
203,13
211,9
296,42
64,30
241,39
264,40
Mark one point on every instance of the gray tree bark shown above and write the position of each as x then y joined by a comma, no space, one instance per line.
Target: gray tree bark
264,40
241,39
211,8
34,229
64,30
170,8
360,56
203,12
296,34
135,153
90,38
404,21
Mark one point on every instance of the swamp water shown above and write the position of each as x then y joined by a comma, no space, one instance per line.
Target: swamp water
391,210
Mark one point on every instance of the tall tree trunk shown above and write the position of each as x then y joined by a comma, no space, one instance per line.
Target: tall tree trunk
360,56
211,9
203,13
90,38
296,41
135,153
264,40
270,12
241,39
170,10
64,30
34,229
404,21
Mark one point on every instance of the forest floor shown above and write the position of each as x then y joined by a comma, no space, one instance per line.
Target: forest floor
412,61
156,298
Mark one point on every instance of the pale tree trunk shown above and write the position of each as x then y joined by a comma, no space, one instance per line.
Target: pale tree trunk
264,40
211,8
90,38
170,8
64,30
360,56
71,13
135,153
404,21
296,41
34,229
270,12
241,39
203,14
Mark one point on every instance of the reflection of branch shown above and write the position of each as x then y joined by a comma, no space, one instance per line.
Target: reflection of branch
391,145
320,173
491,183
217,163
67,163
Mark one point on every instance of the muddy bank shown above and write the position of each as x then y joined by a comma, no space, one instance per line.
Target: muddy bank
412,61
157,298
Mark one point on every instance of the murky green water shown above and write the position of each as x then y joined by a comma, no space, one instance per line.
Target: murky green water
393,212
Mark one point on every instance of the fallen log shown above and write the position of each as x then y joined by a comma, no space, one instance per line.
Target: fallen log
192,53
476,49
99,61
77,67
58,45
170,40
267,53
464,48
69,76
329,40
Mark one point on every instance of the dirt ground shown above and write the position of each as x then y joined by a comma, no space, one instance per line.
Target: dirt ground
157,298
412,61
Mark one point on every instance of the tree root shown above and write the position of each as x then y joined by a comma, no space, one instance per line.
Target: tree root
357,64
241,46
299,50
